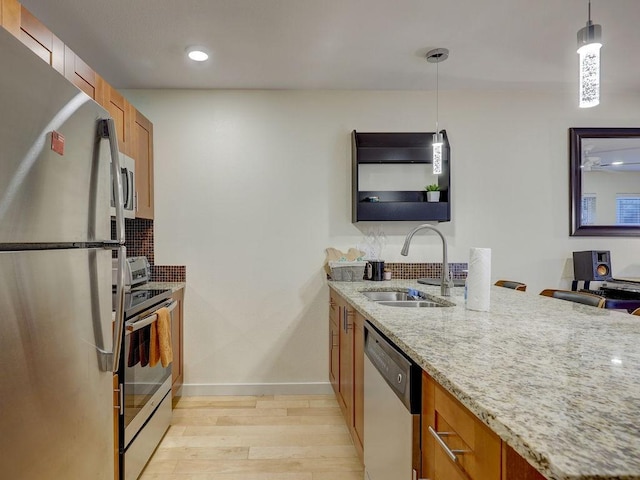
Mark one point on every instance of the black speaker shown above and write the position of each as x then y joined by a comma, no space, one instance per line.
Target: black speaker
592,265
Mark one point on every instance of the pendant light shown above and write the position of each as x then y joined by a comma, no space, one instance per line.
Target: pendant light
436,56
589,50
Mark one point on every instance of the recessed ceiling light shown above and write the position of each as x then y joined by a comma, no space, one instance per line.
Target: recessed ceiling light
197,54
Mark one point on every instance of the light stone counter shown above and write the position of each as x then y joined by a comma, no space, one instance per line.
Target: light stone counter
557,381
173,286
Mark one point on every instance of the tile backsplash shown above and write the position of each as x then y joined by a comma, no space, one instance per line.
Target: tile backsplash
424,270
139,241
168,273
139,235
411,271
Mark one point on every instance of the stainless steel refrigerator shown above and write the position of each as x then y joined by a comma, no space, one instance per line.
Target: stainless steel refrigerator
57,348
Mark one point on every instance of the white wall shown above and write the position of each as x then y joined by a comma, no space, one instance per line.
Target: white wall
252,186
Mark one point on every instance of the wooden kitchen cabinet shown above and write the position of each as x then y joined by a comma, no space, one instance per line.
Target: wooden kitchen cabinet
346,364
31,32
514,467
10,16
345,381
143,156
121,111
357,427
177,341
41,40
83,76
334,344
485,456
480,448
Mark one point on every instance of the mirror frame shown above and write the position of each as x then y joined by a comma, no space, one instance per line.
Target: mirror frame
575,182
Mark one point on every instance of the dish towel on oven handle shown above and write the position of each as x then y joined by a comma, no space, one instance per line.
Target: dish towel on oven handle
133,358
144,335
161,339
154,350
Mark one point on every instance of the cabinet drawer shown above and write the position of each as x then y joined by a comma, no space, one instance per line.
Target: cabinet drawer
460,430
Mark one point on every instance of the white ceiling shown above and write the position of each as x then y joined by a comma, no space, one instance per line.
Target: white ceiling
345,44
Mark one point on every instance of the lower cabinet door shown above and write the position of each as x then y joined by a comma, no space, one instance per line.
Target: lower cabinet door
476,448
358,383
177,335
334,355
444,468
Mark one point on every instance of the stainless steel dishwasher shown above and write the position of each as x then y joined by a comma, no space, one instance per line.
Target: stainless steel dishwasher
392,385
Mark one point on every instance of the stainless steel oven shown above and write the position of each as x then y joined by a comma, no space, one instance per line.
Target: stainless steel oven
145,412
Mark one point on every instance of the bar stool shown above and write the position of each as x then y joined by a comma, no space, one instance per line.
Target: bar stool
521,287
578,297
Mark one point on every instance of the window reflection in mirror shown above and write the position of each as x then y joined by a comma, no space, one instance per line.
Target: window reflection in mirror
605,181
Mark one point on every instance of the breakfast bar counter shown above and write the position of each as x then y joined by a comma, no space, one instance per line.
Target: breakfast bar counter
557,381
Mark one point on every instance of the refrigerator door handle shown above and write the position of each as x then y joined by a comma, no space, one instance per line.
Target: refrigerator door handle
108,130
118,328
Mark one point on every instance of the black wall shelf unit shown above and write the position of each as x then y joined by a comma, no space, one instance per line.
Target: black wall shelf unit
398,148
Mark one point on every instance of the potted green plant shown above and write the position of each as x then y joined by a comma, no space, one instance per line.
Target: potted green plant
433,192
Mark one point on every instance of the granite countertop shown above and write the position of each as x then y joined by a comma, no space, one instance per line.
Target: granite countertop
173,286
557,381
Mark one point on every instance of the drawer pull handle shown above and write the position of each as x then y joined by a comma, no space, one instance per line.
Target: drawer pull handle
452,454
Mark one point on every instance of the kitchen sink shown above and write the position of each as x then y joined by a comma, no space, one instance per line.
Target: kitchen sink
406,298
457,282
391,296
412,303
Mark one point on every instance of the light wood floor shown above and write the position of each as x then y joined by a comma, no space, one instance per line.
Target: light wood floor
270,437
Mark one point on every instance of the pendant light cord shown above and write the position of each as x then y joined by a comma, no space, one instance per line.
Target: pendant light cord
437,88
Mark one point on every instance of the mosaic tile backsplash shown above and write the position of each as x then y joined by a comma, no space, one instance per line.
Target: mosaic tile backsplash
139,235
139,241
168,273
411,271
424,270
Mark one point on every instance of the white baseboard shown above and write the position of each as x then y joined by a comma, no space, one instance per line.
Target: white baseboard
311,388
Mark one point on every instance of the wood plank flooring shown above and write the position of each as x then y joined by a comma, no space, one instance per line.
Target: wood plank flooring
273,437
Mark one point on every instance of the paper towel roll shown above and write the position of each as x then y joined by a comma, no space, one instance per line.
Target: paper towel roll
479,279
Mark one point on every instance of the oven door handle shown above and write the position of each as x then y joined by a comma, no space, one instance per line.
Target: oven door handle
143,322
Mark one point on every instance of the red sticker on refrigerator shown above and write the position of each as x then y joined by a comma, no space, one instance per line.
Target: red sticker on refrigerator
57,142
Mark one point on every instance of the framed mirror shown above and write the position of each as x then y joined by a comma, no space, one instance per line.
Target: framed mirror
605,181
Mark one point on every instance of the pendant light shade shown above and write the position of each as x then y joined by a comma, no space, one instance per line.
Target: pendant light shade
436,56
589,45
437,153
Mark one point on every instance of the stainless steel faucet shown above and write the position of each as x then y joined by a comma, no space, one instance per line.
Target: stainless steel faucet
446,284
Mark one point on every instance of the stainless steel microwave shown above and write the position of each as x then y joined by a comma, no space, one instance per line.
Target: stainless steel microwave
127,172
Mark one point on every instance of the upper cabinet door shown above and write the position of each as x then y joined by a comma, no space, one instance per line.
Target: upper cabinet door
120,110
10,16
143,155
41,40
83,76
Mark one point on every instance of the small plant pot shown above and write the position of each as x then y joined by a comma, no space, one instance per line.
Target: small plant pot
433,196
